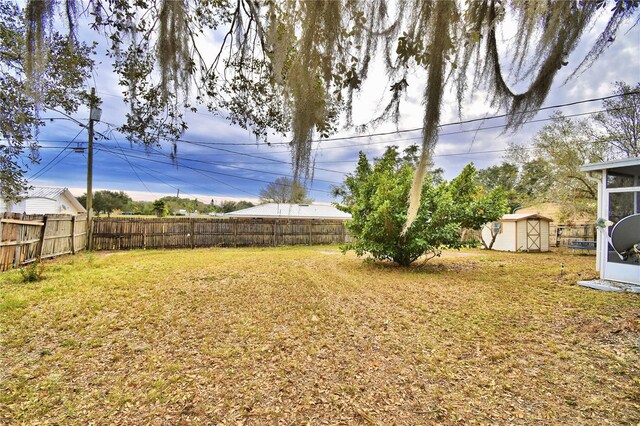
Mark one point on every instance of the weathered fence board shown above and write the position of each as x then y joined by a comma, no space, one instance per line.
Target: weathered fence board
133,233
564,235
27,238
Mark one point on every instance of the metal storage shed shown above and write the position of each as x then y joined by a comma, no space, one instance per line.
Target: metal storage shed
519,232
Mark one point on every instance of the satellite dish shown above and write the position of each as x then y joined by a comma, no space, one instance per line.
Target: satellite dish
625,236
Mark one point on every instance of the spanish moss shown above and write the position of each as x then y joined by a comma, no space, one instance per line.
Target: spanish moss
293,66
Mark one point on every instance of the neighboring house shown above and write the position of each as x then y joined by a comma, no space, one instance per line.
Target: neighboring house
42,200
292,211
518,232
618,200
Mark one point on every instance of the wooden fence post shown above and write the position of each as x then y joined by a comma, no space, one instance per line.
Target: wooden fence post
43,233
235,233
275,238
16,257
191,227
73,232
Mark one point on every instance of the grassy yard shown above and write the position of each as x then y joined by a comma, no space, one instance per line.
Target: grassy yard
307,335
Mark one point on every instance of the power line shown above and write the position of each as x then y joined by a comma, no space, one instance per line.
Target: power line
210,171
461,122
391,141
130,165
473,120
383,142
44,169
208,144
141,168
50,164
202,172
159,153
222,182
459,132
204,145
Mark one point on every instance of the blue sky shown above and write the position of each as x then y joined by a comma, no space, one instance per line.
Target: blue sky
218,161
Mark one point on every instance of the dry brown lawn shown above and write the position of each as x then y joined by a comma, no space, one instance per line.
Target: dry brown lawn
309,336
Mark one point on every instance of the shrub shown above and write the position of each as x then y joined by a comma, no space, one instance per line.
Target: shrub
377,198
32,272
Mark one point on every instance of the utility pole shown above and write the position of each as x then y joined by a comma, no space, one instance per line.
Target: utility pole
94,115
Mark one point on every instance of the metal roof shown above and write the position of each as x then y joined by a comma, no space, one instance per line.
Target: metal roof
44,192
516,216
614,164
292,211
53,193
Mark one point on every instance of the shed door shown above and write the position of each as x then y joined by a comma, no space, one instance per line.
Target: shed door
533,235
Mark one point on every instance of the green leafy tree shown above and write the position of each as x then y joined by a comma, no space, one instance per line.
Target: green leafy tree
550,172
535,180
621,121
284,190
232,206
503,176
376,197
63,67
243,204
160,208
106,201
174,204
139,207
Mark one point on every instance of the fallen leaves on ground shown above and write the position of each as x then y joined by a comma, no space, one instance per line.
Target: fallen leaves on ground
297,336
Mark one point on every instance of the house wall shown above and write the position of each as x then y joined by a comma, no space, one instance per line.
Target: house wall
61,205
41,206
11,207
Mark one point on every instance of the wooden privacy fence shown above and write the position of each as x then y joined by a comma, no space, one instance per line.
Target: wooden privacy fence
564,235
28,238
137,233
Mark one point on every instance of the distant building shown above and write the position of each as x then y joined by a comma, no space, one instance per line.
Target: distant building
183,212
518,232
43,200
292,211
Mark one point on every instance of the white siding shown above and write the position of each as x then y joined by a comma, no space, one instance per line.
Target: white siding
505,241
40,206
514,235
64,206
544,235
521,235
44,200
11,207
